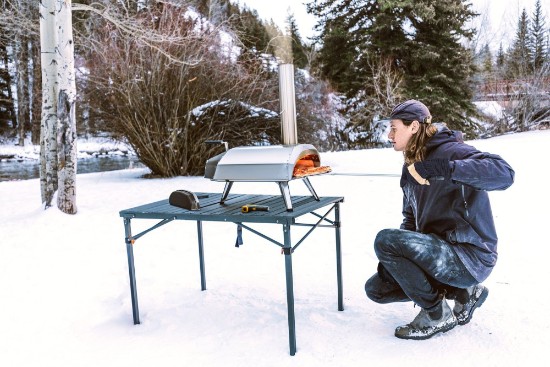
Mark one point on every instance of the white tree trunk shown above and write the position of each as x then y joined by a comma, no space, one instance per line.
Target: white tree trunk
66,128
58,123
48,125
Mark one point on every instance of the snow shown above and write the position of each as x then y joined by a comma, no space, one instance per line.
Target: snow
66,299
253,111
87,148
490,108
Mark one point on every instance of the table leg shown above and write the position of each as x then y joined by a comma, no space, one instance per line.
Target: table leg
289,290
201,255
131,270
338,257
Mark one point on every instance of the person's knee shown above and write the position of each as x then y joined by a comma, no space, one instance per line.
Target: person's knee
382,292
386,240
372,289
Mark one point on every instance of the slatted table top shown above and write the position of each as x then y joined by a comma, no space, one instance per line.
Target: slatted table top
230,210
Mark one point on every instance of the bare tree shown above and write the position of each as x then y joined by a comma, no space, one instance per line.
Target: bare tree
531,107
166,98
368,109
385,90
386,85
523,92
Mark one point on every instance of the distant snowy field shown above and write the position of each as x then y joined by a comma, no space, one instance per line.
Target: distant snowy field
66,299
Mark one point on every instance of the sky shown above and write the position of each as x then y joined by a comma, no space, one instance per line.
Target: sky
503,15
66,299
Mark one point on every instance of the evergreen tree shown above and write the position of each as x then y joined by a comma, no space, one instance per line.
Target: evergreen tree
345,29
538,38
527,65
335,60
486,60
251,30
439,67
386,35
519,57
382,52
299,50
422,38
501,58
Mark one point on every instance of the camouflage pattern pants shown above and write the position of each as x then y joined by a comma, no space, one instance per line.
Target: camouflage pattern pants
416,267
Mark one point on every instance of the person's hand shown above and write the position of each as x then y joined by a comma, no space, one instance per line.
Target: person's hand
434,169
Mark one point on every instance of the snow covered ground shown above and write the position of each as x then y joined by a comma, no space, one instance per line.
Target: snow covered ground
66,300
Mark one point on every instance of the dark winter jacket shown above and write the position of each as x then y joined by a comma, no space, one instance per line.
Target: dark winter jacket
458,210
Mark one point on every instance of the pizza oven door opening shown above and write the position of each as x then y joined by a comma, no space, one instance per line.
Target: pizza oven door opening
305,165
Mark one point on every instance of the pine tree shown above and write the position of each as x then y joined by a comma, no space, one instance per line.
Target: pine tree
379,65
299,50
538,38
251,30
501,57
519,56
486,60
345,58
439,67
386,35
528,65
421,38
335,60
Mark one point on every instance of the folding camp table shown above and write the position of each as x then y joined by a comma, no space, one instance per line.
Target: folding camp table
230,211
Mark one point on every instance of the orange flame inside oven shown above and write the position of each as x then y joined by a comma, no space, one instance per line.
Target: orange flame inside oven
309,165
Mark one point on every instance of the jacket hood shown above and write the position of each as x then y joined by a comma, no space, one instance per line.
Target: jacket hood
443,135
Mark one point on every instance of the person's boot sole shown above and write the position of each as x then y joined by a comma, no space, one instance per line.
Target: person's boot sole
479,302
424,337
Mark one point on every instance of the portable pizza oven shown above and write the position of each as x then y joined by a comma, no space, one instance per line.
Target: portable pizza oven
274,163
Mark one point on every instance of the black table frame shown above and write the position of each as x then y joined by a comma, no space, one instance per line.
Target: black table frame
230,211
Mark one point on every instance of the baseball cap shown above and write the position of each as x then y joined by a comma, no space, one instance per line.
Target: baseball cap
412,110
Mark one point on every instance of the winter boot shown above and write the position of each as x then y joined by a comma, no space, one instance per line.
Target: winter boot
427,324
464,309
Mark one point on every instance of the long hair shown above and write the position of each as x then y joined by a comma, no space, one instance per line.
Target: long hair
416,147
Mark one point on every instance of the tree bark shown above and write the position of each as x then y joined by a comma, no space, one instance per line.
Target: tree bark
66,153
66,129
7,118
36,101
22,66
48,125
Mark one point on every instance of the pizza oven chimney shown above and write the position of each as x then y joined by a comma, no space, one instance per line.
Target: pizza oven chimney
287,97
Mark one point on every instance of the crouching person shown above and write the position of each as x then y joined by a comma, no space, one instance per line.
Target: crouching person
447,243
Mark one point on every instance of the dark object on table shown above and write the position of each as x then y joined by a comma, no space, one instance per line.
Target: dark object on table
184,199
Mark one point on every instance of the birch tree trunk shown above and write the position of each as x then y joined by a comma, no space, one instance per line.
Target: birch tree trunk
66,121
48,124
